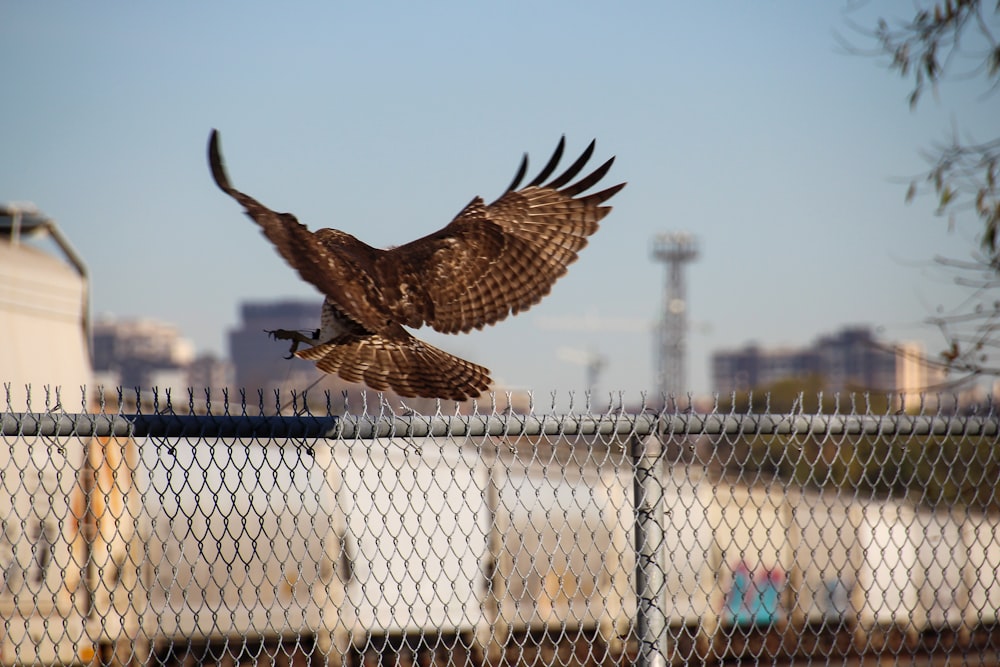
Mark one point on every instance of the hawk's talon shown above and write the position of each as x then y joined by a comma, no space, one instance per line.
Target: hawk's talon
295,336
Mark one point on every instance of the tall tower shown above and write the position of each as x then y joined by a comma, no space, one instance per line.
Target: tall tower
675,250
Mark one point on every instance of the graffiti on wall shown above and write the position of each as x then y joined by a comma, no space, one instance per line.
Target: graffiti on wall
754,596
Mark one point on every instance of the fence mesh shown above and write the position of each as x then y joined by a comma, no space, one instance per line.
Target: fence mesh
488,534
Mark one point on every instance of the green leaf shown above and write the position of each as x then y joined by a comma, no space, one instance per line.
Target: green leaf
947,194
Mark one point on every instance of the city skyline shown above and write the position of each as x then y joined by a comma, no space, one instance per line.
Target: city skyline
751,127
848,358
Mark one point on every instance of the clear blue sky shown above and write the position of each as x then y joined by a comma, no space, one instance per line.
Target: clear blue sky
743,123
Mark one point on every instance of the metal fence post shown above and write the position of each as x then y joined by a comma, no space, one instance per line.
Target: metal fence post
651,614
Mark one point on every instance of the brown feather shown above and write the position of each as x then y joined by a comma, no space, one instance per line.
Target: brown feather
491,261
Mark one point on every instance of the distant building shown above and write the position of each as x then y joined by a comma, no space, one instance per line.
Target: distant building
140,353
202,383
849,360
207,371
258,361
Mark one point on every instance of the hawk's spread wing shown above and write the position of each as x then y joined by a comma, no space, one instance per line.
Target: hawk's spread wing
338,264
494,260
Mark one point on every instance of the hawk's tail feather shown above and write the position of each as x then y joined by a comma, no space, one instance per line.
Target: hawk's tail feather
407,366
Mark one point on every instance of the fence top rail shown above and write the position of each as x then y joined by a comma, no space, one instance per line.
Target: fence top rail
621,425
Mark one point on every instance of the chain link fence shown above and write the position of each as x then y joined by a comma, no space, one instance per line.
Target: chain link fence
494,533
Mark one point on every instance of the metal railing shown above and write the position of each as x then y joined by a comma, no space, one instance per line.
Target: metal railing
157,535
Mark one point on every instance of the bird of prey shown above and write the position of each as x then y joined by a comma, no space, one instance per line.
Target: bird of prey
489,262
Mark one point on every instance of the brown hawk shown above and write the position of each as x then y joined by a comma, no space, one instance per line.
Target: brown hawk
489,262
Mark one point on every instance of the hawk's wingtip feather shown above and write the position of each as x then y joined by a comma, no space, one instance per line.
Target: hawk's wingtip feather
216,164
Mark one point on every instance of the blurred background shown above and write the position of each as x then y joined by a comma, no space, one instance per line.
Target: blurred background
774,134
